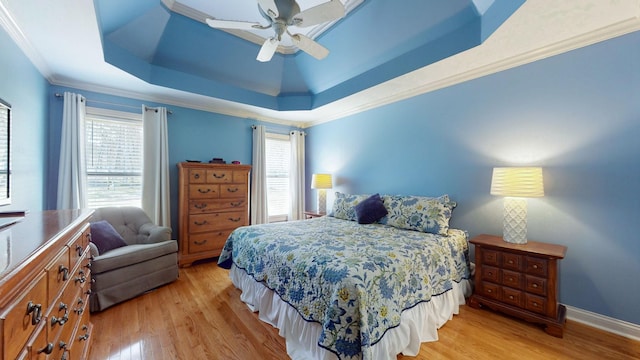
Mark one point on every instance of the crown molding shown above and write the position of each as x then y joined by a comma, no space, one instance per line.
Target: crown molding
11,27
381,95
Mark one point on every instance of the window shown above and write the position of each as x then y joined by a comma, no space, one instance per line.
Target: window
278,153
114,158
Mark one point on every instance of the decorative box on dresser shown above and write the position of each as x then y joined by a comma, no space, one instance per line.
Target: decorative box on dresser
520,280
45,285
213,201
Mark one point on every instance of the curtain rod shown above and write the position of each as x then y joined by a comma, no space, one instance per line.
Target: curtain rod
114,104
302,132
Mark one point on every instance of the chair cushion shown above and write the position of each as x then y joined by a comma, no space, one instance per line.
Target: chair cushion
105,237
131,254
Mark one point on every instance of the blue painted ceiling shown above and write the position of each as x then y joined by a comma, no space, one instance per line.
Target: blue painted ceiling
377,41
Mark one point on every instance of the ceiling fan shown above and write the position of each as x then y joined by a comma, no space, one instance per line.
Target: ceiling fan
282,14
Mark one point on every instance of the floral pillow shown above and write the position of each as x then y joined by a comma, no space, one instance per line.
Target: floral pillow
426,214
344,206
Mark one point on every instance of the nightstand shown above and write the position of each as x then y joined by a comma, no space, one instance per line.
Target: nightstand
520,280
312,214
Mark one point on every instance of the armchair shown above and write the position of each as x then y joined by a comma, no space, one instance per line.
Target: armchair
147,259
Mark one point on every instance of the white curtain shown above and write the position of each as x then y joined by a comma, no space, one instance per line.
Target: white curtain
155,168
296,176
72,183
259,208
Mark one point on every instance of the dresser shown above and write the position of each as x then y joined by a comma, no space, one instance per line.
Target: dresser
213,201
520,280
45,286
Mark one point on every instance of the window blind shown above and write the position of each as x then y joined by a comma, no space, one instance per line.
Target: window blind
278,154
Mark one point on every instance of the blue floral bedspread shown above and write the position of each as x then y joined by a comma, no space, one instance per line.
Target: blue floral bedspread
355,280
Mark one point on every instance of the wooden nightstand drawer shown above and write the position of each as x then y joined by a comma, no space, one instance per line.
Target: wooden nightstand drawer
512,261
536,303
490,257
513,297
512,279
536,285
536,266
490,290
490,273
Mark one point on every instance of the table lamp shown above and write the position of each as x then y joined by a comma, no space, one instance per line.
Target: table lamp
321,182
516,184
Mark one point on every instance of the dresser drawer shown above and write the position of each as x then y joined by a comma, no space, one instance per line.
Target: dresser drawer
219,176
58,273
536,285
536,266
37,347
490,290
490,273
512,279
212,205
216,221
77,246
197,176
513,297
512,261
241,177
233,191
490,257
208,241
21,317
535,303
204,191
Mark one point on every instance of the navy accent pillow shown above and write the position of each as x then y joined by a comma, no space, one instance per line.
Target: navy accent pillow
105,237
370,210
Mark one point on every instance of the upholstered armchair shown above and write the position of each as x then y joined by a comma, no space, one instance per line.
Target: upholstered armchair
131,255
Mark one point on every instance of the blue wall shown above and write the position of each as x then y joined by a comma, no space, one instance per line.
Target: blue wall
22,86
577,115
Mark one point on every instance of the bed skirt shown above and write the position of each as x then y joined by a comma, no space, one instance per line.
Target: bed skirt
417,325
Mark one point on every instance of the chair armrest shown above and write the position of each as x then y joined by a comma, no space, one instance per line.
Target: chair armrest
155,233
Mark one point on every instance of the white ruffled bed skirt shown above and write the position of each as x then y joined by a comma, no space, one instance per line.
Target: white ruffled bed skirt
417,325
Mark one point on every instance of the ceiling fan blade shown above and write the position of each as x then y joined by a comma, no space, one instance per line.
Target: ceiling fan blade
269,7
328,11
230,24
268,49
309,46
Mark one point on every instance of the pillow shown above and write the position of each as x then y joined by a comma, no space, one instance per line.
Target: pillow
426,214
344,206
370,210
105,237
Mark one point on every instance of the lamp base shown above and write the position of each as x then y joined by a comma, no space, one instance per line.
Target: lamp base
515,220
322,201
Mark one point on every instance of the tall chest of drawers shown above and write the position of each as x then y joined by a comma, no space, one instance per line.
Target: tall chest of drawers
45,286
520,280
213,201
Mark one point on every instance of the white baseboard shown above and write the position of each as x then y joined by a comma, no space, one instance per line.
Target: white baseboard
619,327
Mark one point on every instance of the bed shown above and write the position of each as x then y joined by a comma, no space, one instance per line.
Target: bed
338,288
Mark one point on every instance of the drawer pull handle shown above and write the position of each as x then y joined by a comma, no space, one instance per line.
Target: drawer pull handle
200,206
232,190
83,337
47,349
511,297
80,279
200,223
36,312
219,176
535,285
196,176
236,204
65,272
488,290
510,262
79,310
61,320
235,219
79,250
535,304
205,191
200,242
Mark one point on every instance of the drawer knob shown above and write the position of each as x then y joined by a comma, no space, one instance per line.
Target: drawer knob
65,272
36,312
196,176
535,304
47,349
488,290
511,297
510,279
535,266
510,262
535,285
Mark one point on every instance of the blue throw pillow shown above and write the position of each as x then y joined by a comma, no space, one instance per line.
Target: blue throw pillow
370,210
105,237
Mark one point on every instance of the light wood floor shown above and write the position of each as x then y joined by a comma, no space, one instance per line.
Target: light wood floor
200,316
